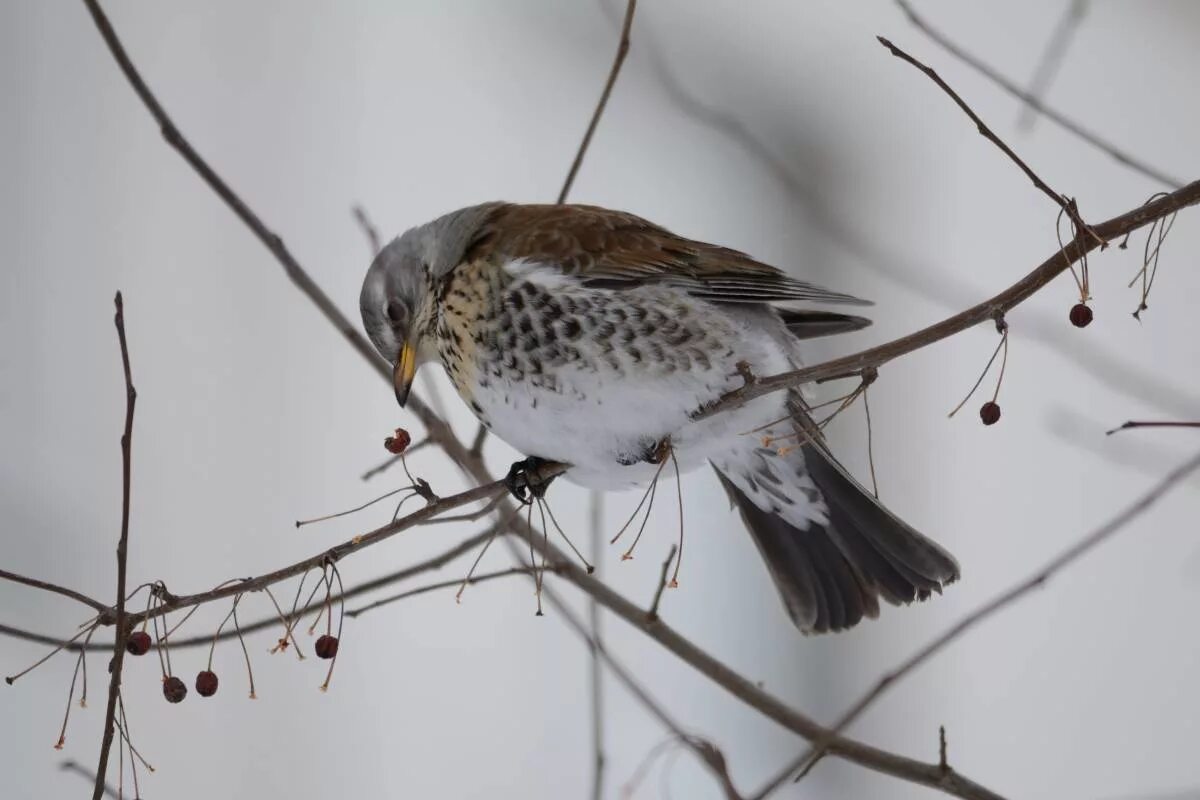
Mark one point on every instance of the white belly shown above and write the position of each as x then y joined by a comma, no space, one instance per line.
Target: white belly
596,415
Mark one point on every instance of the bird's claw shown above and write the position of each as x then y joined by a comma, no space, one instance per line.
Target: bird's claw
523,481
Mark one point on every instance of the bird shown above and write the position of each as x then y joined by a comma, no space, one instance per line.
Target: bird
595,338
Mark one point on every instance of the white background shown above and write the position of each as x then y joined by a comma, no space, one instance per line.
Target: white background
253,412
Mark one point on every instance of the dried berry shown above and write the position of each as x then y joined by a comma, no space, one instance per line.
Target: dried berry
1081,315
174,690
327,646
398,442
206,683
138,643
989,412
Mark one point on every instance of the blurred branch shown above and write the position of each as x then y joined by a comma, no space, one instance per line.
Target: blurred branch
118,659
618,60
1034,102
1051,60
596,644
84,772
369,230
998,603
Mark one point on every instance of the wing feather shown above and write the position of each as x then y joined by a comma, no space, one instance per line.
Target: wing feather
618,250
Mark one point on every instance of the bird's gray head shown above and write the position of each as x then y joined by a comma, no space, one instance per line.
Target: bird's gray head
397,292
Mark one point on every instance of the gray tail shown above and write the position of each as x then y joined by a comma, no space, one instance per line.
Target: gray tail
830,576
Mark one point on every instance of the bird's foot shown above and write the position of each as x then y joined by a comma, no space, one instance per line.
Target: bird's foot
524,482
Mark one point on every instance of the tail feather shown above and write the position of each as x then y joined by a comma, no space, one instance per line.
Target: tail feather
831,575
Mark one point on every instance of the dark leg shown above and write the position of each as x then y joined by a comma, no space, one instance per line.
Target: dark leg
524,483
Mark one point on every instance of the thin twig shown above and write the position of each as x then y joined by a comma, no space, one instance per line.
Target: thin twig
1068,206
171,602
1033,102
95,605
1005,598
622,51
122,628
1134,424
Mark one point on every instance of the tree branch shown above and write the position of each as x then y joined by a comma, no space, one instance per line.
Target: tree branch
118,659
986,311
96,605
618,60
1033,102
996,604
925,774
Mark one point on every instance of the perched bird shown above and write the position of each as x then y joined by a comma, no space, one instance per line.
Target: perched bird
593,337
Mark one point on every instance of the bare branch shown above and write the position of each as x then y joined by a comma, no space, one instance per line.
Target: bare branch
1033,102
1135,424
986,311
96,605
750,693
1128,377
435,426
118,659
622,51
1061,200
1004,599
171,602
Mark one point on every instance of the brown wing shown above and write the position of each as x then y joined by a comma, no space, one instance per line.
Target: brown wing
618,250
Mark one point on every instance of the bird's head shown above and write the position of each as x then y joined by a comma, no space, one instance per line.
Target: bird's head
399,292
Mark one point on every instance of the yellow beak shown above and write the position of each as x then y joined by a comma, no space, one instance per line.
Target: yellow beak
402,377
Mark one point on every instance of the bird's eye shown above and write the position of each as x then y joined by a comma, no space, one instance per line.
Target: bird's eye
396,312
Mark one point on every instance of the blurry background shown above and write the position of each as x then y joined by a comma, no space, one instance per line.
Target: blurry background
253,412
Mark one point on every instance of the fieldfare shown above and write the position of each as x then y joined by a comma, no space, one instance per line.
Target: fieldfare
593,337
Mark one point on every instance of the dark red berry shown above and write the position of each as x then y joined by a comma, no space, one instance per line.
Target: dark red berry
1081,315
398,442
327,646
989,412
138,643
174,690
206,683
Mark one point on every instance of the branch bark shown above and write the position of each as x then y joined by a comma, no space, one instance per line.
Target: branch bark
118,659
